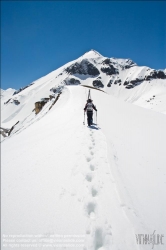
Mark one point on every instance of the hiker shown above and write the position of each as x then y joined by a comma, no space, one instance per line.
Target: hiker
89,109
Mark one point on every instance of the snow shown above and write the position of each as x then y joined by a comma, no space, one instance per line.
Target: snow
92,54
6,93
106,182
62,180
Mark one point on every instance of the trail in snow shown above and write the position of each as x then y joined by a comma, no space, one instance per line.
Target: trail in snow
103,207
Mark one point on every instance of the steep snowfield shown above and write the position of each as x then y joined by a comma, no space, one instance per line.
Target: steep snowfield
103,184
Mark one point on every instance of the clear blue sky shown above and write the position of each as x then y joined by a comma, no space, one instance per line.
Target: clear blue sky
38,37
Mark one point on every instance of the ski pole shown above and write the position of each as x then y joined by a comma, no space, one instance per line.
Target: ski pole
96,117
84,118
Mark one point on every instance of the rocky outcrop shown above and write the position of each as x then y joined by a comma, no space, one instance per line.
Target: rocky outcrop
109,70
136,81
4,131
21,89
38,106
56,89
98,84
83,68
126,83
109,83
107,61
12,128
55,100
132,83
117,81
16,102
129,86
72,81
155,74
128,64
7,101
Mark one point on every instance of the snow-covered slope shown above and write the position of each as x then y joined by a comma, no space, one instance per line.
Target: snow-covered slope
6,93
99,186
121,78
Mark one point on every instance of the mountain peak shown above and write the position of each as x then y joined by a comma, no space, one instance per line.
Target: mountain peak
92,53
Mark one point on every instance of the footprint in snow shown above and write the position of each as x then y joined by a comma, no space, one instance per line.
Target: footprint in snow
98,239
94,191
89,177
90,208
88,159
92,167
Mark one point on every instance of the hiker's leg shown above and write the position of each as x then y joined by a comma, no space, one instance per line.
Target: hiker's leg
89,118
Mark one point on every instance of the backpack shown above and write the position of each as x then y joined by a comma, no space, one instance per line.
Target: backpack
89,107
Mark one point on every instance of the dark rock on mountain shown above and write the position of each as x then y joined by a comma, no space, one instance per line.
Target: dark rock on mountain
129,64
16,102
161,74
83,68
110,70
7,101
129,86
135,81
21,89
132,83
117,81
107,61
126,83
156,74
98,84
73,81
109,84
54,90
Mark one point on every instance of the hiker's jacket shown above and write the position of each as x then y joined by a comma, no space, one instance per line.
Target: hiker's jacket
89,107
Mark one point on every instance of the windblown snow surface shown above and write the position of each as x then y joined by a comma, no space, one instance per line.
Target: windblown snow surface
68,186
